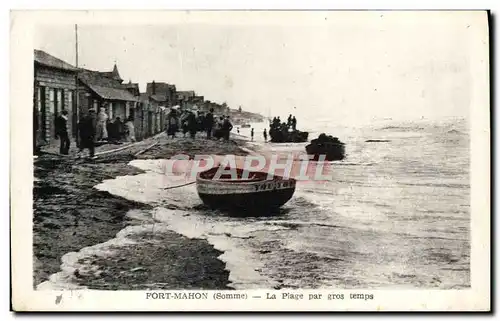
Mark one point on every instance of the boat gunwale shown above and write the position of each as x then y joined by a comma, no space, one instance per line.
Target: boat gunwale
243,182
238,181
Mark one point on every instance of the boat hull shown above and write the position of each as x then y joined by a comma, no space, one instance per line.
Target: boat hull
330,147
295,136
251,195
331,152
254,202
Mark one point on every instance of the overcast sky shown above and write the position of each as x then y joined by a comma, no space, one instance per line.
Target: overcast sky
379,66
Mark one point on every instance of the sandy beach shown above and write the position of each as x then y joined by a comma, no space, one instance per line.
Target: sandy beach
70,214
110,224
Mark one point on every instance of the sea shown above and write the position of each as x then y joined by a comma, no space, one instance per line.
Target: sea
395,214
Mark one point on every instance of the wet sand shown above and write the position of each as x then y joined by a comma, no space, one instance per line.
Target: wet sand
165,261
69,214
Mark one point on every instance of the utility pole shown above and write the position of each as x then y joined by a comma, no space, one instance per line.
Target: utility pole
76,63
77,96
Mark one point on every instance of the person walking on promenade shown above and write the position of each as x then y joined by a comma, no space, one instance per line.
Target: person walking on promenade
87,130
172,123
36,148
265,135
184,122
218,132
251,134
61,131
192,124
110,127
119,127
209,123
200,121
294,123
226,127
130,129
101,130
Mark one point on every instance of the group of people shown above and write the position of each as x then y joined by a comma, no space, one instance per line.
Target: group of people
114,131
189,122
93,128
278,125
222,127
264,134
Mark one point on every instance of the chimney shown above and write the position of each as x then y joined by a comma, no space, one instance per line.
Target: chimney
153,89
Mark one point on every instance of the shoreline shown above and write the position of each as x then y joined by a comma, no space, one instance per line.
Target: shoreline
70,214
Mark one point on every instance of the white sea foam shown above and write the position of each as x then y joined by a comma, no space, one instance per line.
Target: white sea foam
149,188
360,230
65,279
224,234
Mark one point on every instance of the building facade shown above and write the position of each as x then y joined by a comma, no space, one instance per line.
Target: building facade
54,91
185,98
104,90
161,93
60,86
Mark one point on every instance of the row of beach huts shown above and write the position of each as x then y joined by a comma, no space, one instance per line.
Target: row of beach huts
57,84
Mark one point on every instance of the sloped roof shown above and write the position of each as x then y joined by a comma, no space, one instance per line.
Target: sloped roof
159,97
114,74
43,58
160,88
185,94
112,93
131,85
105,87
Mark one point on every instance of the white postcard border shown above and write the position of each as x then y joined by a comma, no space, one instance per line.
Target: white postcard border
26,299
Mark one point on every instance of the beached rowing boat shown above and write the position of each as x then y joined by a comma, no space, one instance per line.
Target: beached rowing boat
253,193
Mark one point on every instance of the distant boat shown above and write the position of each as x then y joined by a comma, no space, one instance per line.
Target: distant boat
245,126
329,147
286,136
255,193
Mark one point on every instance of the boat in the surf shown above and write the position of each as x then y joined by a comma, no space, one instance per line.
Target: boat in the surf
245,126
288,136
330,147
253,192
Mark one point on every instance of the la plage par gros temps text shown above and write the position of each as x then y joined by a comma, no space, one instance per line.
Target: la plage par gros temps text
267,296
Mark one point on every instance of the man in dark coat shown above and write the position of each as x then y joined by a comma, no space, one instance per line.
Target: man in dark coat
294,123
226,127
35,131
209,123
172,123
192,124
201,122
110,127
119,128
87,129
61,131
273,123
